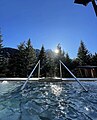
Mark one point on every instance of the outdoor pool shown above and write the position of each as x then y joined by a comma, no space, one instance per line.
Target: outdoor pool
48,101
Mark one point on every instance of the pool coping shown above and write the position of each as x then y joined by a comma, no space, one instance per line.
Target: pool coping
49,79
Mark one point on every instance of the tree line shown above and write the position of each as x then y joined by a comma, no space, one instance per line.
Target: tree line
21,63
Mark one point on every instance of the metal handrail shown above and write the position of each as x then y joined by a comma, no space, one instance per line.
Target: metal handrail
73,75
30,75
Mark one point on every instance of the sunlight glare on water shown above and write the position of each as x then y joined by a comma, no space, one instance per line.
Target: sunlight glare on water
48,101
56,89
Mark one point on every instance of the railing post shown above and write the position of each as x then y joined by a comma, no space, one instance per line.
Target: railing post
73,76
39,70
60,70
30,76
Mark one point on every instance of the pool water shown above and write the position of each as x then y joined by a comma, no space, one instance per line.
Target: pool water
48,101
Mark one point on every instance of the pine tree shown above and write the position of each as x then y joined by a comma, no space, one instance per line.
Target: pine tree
60,53
13,68
30,56
21,58
94,59
50,63
26,58
58,56
67,59
42,55
68,62
83,55
42,58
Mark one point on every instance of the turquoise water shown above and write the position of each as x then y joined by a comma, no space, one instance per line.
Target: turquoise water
48,101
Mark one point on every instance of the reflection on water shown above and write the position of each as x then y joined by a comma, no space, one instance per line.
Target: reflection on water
48,101
56,89
6,86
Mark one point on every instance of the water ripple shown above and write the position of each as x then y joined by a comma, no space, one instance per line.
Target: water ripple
48,101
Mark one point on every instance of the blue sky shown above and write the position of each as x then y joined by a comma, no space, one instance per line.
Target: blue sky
48,22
